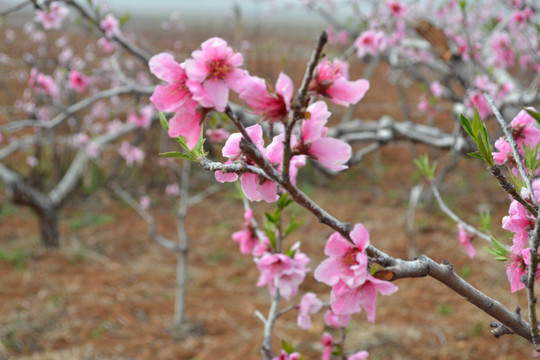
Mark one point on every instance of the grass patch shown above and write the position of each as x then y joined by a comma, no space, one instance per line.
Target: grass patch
90,219
16,258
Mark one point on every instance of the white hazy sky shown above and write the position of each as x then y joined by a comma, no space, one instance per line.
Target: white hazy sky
250,8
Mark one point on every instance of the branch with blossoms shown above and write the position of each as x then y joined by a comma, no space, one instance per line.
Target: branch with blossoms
200,85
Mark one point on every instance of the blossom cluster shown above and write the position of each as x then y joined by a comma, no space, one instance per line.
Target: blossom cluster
519,220
203,82
346,270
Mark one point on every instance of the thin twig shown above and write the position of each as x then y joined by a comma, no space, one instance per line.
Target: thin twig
301,103
13,8
442,205
515,150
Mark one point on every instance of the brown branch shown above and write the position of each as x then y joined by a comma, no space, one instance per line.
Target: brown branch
509,188
301,102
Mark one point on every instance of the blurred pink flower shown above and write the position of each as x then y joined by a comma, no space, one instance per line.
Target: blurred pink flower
397,8
217,135
502,46
327,343
78,81
283,355
110,25
361,355
309,305
172,189
142,119
465,241
32,161
369,42
106,45
41,83
132,154
53,18
436,89
337,321
280,271
524,130
247,238
145,202
476,99
212,71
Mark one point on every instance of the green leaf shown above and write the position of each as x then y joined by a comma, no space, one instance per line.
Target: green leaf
491,250
178,155
422,162
293,225
269,230
180,140
485,219
484,147
466,125
534,114
477,123
288,347
163,121
124,18
273,217
476,155
284,201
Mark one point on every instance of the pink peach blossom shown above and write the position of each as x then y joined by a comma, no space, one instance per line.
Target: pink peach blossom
42,83
327,343
283,355
175,96
337,321
331,153
517,269
78,81
247,238
309,304
465,241
272,105
212,71
132,154
53,18
142,119
346,262
397,8
369,42
110,25
331,79
361,355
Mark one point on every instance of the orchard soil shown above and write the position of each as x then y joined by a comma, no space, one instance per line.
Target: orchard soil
108,293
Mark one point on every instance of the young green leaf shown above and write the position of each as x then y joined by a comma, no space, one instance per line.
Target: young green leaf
534,114
287,347
466,125
422,162
178,155
293,225
163,121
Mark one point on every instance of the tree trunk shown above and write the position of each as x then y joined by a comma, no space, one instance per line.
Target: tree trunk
48,227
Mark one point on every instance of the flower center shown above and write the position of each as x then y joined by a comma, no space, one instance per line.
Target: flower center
349,258
218,68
